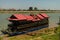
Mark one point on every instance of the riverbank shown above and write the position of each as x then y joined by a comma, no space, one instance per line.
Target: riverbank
53,20
43,34
29,11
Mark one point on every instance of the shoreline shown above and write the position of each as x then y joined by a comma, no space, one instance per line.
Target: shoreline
29,11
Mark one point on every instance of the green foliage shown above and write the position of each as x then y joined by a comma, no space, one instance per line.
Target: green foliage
36,9
51,37
30,8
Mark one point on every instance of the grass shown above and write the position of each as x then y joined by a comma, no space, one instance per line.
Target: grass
1,38
54,36
51,37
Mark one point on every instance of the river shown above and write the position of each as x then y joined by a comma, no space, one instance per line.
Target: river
53,19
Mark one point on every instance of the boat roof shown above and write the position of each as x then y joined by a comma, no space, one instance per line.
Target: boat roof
28,17
41,17
20,16
44,15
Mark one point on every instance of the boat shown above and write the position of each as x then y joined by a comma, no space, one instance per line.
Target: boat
20,23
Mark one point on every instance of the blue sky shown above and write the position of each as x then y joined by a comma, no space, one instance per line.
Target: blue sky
25,4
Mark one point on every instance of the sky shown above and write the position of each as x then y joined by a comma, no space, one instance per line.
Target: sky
25,4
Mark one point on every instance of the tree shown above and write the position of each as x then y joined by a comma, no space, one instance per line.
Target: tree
35,9
30,8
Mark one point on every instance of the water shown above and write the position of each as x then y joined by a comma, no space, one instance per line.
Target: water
53,20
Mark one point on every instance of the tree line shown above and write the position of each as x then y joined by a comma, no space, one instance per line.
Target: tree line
29,9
